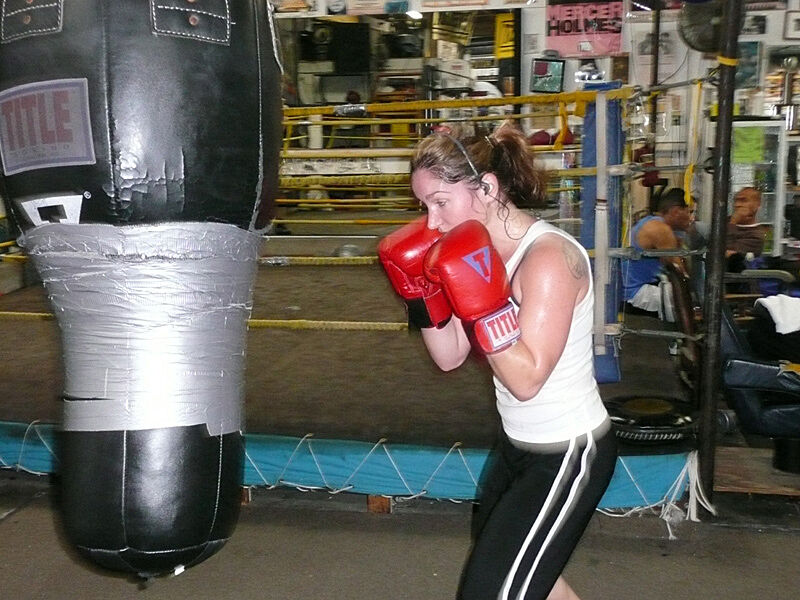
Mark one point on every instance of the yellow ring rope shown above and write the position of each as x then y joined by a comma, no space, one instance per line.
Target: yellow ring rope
304,181
348,153
26,316
416,120
291,261
350,202
580,97
287,261
325,325
343,221
727,61
262,323
381,200
336,153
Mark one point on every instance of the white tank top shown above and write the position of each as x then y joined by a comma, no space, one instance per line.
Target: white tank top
568,404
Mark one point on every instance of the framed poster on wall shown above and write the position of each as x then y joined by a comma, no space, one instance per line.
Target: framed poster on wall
748,71
547,75
791,25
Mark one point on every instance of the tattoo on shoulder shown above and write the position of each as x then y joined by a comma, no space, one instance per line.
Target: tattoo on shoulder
575,262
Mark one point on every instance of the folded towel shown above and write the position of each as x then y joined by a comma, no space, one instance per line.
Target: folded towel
784,310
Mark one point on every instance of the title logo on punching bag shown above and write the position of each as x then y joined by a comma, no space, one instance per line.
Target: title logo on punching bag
479,261
45,124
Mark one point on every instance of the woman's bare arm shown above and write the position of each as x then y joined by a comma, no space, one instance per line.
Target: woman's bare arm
552,278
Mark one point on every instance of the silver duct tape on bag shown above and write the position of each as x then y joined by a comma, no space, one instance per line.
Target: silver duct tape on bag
153,321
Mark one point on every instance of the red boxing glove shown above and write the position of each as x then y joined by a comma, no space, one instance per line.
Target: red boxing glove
474,278
402,253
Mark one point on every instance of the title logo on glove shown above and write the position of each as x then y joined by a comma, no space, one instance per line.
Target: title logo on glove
479,261
500,329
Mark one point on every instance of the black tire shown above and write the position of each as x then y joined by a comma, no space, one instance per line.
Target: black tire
652,418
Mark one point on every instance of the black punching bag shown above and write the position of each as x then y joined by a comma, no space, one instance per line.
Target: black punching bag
139,144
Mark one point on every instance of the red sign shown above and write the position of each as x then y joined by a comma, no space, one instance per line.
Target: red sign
584,28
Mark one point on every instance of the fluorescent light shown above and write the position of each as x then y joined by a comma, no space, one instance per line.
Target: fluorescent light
414,14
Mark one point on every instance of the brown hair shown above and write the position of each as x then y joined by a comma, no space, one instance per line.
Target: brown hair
454,154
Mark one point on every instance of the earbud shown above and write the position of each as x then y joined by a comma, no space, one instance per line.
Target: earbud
486,187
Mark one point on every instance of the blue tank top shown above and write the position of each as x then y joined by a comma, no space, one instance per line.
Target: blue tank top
636,273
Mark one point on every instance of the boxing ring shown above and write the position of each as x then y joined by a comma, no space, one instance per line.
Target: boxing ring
391,465
643,480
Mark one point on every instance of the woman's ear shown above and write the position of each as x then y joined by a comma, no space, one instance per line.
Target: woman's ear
489,185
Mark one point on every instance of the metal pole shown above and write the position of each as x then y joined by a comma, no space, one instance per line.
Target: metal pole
715,258
517,56
654,98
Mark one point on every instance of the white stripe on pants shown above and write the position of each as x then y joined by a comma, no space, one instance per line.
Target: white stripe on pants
555,489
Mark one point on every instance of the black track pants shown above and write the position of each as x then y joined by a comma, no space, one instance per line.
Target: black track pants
533,510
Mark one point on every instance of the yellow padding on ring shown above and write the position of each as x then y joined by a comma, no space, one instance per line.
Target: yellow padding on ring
261,323
688,175
562,113
727,61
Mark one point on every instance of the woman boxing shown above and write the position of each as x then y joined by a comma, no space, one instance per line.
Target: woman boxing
478,273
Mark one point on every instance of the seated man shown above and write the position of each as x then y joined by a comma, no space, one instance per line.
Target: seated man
745,235
655,232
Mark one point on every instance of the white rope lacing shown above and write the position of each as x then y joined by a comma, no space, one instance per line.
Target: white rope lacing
670,512
696,493
316,463
346,485
279,479
400,475
32,426
255,466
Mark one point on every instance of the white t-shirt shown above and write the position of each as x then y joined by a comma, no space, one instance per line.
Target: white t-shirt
569,403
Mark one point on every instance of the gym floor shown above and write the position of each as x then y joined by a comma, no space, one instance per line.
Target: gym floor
291,545
376,384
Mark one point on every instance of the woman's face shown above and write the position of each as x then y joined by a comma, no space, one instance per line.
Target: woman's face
448,204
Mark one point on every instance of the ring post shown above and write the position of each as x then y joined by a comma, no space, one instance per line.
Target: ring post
601,227
715,265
